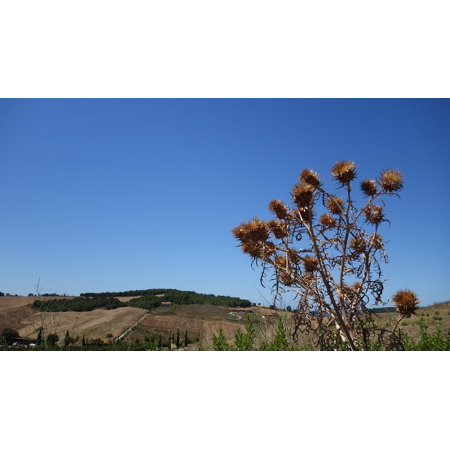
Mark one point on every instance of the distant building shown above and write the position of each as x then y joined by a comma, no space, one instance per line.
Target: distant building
166,303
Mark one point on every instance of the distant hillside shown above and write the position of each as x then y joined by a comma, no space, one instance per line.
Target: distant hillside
151,298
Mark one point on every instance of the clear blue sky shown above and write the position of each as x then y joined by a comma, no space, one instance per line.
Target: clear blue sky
131,194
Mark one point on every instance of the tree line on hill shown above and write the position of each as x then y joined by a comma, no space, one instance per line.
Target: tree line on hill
78,304
149,301
154,297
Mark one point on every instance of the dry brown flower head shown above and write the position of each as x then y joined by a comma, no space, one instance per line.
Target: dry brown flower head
278,229
369,187
327,221
303,195
310,264
406,302
278,208
252,249
287,278
335,205
310,177
293,256
344,171
281,262
373,214
391,181
376,241
358,244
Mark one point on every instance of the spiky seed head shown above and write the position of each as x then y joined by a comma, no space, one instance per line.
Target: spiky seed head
280,262
358,244
327,221
293,256
373,214
287,278
406,302
241,232
369,187
391,180
303,195
348,293
310,264
258,231
278,208
335,205
306,279
268,250
310,177
278,229
307,213
344,171
254,231
376,241
253,249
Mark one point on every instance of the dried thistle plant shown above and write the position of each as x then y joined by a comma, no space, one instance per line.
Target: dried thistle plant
332,264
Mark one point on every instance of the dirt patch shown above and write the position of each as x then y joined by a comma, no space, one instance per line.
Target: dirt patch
11,317
98,323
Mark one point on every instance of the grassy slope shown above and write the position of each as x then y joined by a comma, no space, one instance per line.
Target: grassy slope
206,320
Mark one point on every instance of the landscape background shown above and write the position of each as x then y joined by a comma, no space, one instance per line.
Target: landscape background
112,195
205,49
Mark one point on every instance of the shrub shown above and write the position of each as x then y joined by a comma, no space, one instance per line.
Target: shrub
328,253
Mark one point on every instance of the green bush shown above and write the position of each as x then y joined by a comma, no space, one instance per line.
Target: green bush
78,304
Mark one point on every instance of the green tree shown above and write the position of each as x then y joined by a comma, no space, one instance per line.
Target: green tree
177,340
52,339
280,341
219,342
9,335
245,341
40,339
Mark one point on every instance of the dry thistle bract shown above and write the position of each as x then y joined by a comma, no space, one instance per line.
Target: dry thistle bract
369,187
335,205
376,241
303,195
278,229
252,249
278,208
391,181
310,264
327,221
310,177
373,214
344,171
406,302
254,231
358,244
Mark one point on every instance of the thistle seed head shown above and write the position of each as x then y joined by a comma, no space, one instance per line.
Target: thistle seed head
310,264
278,208
252,249
287,278
369,188
303,195
344,171
310,177
358,244
406,302
327,221
373,214
335,205
278,229
376,241
391,181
